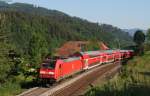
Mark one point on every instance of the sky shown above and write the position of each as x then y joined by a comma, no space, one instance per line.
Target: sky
125,14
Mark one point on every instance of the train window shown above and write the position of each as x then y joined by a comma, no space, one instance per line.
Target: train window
60,66
50,64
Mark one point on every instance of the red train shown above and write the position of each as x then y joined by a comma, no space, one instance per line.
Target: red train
55,69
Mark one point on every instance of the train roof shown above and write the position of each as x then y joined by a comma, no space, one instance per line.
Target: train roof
108,51
92,52
97,52
124,50
71,59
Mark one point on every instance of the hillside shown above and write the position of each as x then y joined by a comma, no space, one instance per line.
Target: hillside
57,25
29,33
34,32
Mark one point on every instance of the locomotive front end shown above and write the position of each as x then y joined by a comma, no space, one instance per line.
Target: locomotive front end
47,70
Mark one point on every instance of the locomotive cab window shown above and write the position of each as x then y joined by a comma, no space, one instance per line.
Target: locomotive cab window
60,66
49,64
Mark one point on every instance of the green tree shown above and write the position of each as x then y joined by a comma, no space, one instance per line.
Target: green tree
37,49
93,45
148,35
147,44
139,38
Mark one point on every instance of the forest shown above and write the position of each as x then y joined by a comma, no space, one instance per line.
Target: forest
28,33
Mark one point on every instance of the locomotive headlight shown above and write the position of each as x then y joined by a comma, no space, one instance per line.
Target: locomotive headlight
51,73
42,72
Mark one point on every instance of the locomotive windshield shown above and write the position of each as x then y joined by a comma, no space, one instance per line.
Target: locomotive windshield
49,64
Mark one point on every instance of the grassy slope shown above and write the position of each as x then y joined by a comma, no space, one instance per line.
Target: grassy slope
134,80
16,85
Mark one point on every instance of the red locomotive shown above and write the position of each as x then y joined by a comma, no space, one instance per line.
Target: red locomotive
55,69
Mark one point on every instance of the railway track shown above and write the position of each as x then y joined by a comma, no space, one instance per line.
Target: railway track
34,92
71,86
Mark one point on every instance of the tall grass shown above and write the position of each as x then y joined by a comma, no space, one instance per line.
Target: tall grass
134,80
14,85
9,89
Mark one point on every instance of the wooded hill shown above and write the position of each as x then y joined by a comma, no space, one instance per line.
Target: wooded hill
24,20
33,32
